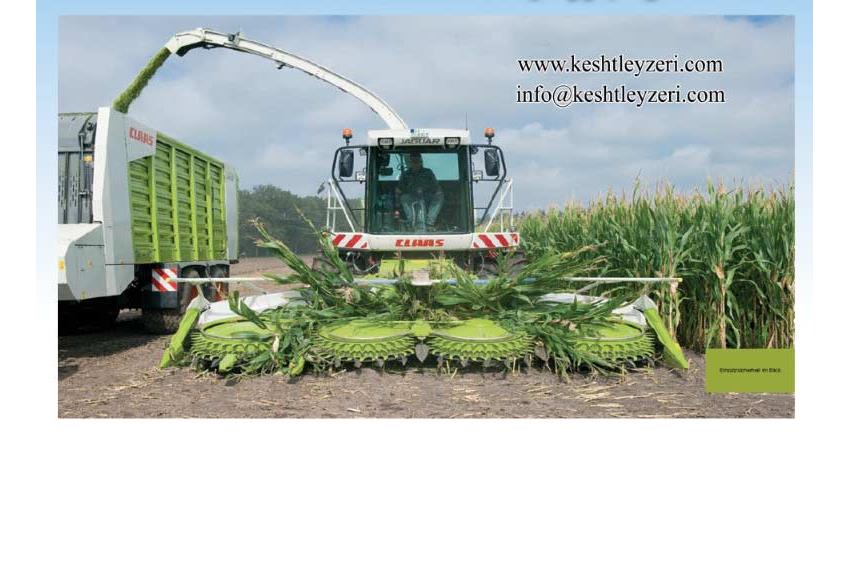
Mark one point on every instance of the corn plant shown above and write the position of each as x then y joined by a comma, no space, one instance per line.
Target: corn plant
734,250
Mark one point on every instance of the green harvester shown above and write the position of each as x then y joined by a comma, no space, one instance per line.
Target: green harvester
424,262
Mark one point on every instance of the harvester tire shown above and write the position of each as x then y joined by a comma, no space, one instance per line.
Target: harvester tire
323,265
167,320
515,264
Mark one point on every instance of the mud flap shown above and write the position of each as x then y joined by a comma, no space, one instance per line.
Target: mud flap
176,348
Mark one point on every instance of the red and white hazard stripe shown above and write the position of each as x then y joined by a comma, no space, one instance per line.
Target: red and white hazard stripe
495,240
350,240
161,279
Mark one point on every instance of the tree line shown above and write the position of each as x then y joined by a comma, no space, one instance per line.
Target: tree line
278,210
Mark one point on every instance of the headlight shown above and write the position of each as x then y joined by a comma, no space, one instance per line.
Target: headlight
452,142
385,142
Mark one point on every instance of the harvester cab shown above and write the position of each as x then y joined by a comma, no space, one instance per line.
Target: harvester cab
417,194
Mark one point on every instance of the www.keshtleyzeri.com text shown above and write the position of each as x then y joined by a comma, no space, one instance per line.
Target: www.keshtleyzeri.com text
620,64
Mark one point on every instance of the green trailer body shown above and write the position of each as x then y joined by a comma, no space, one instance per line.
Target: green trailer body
177,205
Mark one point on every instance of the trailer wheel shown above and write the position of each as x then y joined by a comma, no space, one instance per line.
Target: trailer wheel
97,314
109,315
167,320
217,291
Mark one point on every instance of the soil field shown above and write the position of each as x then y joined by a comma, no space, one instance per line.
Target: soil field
114,374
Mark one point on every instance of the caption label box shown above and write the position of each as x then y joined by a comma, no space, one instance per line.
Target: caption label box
749,370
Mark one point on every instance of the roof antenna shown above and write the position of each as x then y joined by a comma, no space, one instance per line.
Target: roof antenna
466,120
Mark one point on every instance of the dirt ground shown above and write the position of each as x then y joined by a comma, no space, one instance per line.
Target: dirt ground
115,374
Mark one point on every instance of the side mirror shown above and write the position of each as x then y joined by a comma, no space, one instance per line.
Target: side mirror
346,163
492,163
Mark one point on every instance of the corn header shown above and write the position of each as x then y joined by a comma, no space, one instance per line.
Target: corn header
438,314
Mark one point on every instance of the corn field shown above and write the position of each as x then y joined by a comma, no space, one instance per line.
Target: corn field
733,249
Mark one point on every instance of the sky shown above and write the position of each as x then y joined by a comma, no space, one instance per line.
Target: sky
281,126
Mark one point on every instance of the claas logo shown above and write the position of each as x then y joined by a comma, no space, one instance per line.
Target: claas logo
420,242
142,136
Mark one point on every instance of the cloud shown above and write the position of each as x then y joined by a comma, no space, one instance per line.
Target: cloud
281,126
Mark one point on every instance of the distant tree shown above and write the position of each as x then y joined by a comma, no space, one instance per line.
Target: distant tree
278,210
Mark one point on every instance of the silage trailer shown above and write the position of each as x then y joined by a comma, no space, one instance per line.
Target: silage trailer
137,209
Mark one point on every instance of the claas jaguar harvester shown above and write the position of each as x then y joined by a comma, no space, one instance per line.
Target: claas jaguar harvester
420,259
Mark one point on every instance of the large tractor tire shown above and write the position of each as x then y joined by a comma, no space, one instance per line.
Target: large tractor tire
516,262
167,320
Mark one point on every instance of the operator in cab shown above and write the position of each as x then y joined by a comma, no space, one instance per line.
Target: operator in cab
420,195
